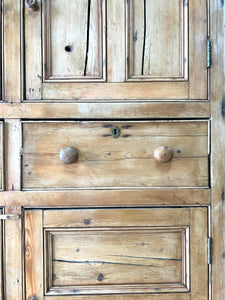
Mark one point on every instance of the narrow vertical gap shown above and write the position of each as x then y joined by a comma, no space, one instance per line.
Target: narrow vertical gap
143,55
87,46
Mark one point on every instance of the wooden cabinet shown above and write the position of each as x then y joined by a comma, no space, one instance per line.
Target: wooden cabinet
112,150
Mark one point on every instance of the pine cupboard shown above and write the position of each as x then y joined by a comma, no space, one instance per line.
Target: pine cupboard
112,150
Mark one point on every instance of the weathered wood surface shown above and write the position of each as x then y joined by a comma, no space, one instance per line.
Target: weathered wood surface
104,161
116,46
13,255
2,261
124,236
89,218
157,39
2,183
116,91
73,39
33,75
66,59
110,110
218,149
34,254
12,141
11,47
126,297
125,256
108,198
199,254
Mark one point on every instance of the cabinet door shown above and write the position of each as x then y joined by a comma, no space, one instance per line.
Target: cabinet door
125,50
98,253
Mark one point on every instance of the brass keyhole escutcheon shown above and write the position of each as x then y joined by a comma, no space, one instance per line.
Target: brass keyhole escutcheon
115,132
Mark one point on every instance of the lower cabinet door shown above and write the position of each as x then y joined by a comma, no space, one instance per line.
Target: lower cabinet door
151,253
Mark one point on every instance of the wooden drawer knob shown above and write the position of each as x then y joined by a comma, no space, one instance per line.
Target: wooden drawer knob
32,4
68,155
163,154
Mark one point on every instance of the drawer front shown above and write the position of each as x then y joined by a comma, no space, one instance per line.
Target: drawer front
117,155
111,251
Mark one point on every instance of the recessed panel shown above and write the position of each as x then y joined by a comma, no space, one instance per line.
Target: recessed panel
157,39
73,40
130,257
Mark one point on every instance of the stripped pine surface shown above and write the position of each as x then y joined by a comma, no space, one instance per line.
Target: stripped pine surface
124,250
110,110
107,245
125,256
108,198
104,161
77,51
157,39
1,156
147,38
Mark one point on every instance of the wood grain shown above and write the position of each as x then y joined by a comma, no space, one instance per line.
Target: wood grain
12,131
116,48
13,254
118,256
115,162
33,59
218,148
125,297
116,91
109,110
113,248
108,198
69,230
197,53
199,263
34,254
73,40
63,66
157,39
11,46
90,218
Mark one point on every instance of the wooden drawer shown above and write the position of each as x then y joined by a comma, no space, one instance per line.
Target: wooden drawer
108,162
108,251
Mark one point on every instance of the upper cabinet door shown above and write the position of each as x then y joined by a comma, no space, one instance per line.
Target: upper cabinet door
116,50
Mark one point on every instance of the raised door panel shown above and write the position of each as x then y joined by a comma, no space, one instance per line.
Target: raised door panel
125,251
125,50
114,154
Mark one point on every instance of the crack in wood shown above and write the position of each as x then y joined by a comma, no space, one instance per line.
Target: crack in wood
102,262
88,35
145,24
154,258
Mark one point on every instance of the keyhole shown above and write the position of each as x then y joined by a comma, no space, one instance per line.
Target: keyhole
115,132
68,48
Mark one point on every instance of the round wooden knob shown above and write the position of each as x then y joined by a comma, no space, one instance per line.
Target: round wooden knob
163,154
68,155
32,4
